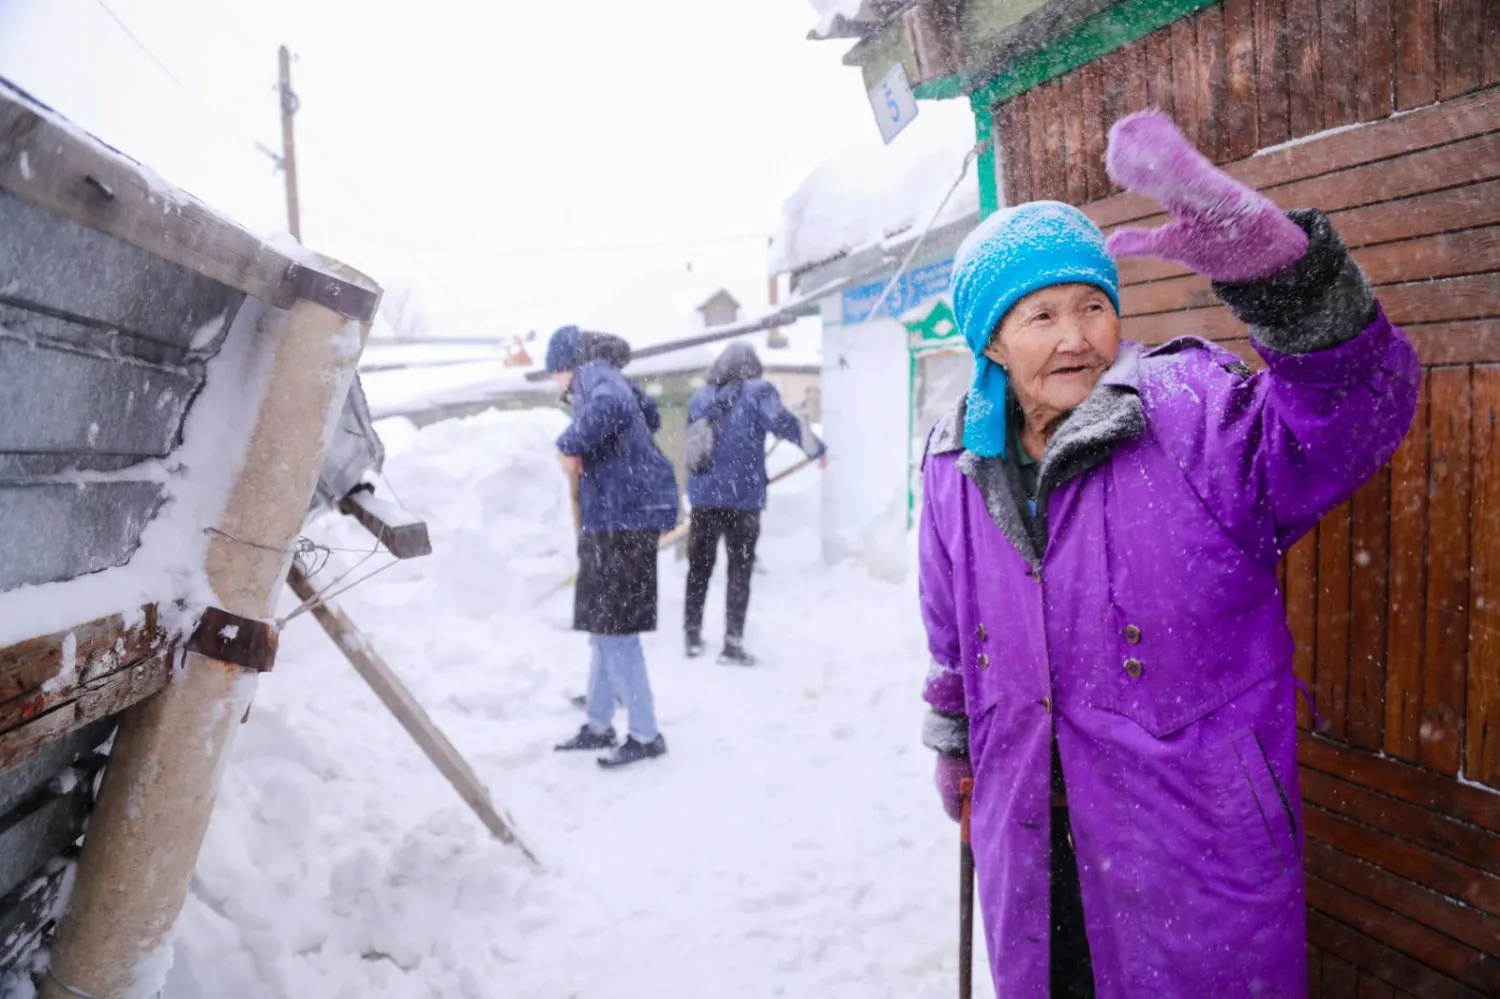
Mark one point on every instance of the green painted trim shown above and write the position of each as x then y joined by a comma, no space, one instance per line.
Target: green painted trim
911,426
943,89
984,131
1112,28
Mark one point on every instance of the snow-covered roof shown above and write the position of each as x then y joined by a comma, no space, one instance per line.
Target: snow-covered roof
804,349
664,305
872,193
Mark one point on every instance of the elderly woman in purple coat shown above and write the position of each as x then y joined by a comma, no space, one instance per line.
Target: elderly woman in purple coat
1100,531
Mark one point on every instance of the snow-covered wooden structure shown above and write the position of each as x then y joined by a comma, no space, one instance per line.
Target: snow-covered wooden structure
169,386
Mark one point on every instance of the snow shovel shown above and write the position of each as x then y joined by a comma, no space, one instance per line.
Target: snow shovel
673,537
965,892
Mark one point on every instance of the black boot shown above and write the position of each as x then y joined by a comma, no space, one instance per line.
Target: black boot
695,646
587,738
633,752
734,653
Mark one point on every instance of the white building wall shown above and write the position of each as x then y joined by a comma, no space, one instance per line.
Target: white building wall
866,421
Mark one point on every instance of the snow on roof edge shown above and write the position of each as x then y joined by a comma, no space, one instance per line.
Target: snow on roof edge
869,193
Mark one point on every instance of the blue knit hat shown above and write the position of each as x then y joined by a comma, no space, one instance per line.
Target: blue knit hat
562,350
1013,253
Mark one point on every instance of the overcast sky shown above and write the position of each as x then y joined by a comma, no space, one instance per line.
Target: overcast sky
464,146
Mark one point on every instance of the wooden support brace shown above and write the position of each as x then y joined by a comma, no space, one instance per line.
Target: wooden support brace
395,696
403,535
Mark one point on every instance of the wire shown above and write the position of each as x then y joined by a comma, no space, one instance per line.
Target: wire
202,104
524,251
911,254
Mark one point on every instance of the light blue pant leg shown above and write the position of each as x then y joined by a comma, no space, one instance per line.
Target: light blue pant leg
600,697
625,663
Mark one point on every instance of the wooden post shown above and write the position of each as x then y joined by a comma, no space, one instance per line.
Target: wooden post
159,787
394,695
289,144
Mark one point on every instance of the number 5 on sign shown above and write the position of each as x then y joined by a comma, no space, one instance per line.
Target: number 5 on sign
893,103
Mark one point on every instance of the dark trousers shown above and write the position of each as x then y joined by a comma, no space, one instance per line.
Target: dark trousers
740,530
1072,965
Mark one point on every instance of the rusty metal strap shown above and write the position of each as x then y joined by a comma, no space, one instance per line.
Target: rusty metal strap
233,639
347,299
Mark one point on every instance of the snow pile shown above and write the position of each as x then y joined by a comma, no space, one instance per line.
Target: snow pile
872,193
790,843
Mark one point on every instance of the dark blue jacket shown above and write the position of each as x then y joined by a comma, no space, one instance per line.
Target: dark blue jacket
746,409
627,483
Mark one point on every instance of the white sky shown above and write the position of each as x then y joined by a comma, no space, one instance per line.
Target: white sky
432,130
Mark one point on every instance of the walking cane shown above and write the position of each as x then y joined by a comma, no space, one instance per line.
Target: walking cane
965,892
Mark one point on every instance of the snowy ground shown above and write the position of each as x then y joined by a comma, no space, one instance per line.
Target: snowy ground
790,844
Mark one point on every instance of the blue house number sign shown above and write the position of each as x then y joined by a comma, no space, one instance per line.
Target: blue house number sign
893,103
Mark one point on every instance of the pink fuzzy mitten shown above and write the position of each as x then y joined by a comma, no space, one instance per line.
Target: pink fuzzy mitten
1220,228
950,770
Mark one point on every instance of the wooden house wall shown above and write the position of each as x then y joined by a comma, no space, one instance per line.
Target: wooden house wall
1395,599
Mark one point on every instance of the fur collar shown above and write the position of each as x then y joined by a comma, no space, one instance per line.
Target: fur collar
1111,415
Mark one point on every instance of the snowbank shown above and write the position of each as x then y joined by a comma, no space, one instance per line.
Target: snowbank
790,843
871,192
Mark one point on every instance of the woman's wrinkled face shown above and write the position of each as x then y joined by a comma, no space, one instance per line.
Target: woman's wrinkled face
1055,344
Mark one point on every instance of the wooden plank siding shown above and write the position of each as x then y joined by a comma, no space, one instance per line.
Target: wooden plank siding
1394,600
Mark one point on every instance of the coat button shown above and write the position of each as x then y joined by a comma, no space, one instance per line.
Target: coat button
982,633
1134,667
1132,634
984,660
1047,704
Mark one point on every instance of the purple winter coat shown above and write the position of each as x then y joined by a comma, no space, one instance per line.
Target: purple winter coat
1143,620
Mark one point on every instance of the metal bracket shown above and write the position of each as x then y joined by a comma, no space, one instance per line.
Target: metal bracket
345,298
236,640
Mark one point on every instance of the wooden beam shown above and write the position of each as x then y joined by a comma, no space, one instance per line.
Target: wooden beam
1335,938
1396,894
1428,829
403,535
53,164
1400,780
1434,950
408,711
1469,885
88,650
26,732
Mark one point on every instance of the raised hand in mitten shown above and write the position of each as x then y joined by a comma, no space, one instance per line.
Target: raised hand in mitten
1220,228
949,772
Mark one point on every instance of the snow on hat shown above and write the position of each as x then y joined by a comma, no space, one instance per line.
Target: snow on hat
1013,253
562,350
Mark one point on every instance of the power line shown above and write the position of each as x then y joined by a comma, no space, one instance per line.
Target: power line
202,104
532,250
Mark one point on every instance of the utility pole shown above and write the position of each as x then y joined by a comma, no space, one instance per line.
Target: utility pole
289,145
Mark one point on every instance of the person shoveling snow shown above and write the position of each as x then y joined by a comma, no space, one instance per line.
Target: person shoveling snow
731,416
627,496
1100,532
